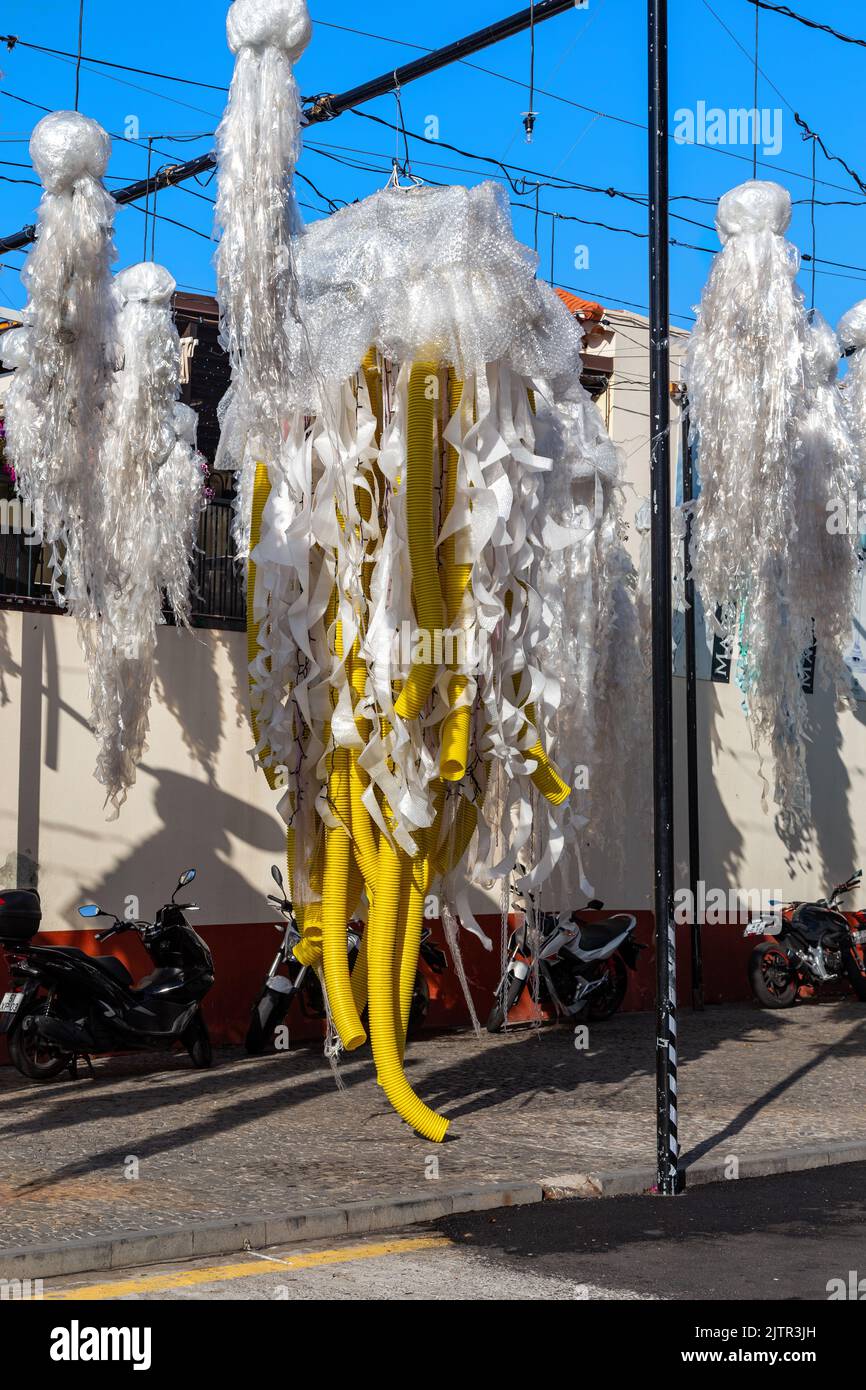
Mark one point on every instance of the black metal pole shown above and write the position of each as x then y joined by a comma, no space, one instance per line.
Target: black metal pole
669,1177
327,106
692,717
453,53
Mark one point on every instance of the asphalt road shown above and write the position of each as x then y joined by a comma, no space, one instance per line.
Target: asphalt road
763,1239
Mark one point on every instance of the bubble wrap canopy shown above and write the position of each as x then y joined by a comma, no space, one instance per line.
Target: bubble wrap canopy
283,24
66,146
432,272
185,423
146,283
755,206
852,327
15,347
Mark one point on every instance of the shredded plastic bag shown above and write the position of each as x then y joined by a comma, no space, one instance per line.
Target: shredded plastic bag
772,451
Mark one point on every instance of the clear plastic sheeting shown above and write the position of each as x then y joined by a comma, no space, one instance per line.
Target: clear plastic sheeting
55,409
179,504
773,452
594,644
93,436
852,340
432,272
258,144
138,558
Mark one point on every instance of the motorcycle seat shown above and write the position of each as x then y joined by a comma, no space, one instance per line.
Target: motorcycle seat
109,964
113,967
595,935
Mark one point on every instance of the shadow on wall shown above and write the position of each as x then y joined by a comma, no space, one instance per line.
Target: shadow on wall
151,870
199,821
204,723
835,834
179,686
8,665
236,651
618,852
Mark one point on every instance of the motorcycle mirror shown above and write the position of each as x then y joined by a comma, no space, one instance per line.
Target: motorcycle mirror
277,876
90,910
186,877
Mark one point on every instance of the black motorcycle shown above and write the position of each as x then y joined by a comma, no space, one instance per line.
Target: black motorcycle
811,944
287,979
68,1005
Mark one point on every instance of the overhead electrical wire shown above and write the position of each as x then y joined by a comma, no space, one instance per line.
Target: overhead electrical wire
530,180
78,54
787,13
327,151
523,186
13,40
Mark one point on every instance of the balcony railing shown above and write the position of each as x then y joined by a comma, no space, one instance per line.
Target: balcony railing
217,583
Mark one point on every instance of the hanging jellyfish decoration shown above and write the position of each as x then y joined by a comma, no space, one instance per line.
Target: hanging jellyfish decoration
258,144
774,455
398,542
150,483
64,365
91,422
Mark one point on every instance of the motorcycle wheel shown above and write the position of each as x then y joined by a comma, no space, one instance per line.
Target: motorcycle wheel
854,970
607,1000
196,1040
268,1013
36,1060
506,997
774,984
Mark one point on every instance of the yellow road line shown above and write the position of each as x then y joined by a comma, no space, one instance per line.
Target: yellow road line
188,1278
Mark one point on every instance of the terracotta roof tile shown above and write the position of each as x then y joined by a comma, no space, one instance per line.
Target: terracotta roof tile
585,309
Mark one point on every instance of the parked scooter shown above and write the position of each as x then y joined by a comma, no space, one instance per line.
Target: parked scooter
67,1004
582,966
813,943
288,979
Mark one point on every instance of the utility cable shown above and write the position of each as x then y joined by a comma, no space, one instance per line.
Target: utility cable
787,13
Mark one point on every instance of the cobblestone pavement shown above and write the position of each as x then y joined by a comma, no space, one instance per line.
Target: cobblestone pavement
153,1143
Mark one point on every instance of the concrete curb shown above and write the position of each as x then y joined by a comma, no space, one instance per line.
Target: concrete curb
629,1182
128,1250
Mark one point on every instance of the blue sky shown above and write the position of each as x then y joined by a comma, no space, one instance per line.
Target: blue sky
595,57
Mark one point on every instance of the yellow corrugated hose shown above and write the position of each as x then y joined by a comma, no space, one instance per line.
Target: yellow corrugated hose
456,727
383,1008
309,917
335,913
429,608
310,949
546,776
364,841
456,843
416,886
364,844
416,883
